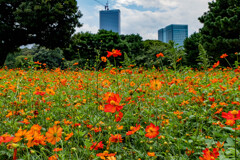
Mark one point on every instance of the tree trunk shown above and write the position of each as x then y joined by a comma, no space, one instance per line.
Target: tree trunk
3,56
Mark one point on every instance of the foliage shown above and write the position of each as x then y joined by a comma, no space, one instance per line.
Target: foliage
85,46
43,22
203,57
23,61
52,58
174,53
147,56
191,48
220,32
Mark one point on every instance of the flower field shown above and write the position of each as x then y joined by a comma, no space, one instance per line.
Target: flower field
120,113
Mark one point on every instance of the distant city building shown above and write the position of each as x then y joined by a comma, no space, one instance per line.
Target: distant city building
110,20
175,32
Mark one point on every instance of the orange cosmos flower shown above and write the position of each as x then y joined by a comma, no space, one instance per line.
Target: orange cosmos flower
113,104
97,129
216,64
69,136
133,129
35,130
96,145
50,91
152,131
106,155
219,145
106,83
230,122
19,135
63,81
104,59
54,157
115,138
75,64
114,53
132,84
54,134
159,55
155,84
57,149
151,154
179,59
208,155
119,127
223,55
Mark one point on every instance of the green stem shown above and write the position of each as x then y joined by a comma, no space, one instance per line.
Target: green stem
235,134
228,62
116,74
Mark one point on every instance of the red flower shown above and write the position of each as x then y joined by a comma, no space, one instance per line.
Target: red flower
114,53
208,155
223,55
216,64
113,104
40,93
96,145
211,99
6,138
152,131
116,138
118,116
231,115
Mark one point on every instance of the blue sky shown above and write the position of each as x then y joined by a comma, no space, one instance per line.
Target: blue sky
145,17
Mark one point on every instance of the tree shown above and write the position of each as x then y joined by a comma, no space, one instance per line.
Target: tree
134,43
44,22
52,58
85,46
147,56
220,32
191,48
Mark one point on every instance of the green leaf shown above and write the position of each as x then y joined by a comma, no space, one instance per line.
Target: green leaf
230,142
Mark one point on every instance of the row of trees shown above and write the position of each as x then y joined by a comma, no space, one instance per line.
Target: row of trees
52,23
85,47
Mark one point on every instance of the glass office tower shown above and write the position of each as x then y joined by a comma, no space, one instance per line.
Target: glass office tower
174,32
110,20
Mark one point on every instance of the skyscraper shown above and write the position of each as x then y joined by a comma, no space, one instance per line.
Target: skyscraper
110,20
174,32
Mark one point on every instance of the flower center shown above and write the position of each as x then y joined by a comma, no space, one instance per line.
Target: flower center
112,102
234,112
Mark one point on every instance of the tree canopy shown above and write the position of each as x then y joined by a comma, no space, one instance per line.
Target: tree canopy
220,32
191,48
44,22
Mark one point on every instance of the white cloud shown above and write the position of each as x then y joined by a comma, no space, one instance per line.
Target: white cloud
149,15
149,3
87,28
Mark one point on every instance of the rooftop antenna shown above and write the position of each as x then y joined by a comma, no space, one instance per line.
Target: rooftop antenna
105,6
